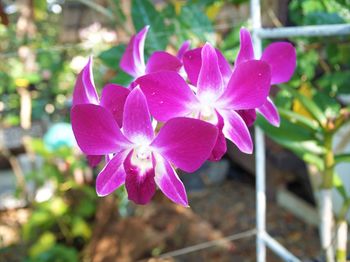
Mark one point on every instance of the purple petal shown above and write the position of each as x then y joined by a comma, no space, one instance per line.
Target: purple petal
246,51
96,131
168,181
210,78
192,61
137,125
132,61
113,98
220,147
270,112
224,66
236,130
281,56
183,48
84,89
139,181
161,60
168,95
112,175
248,87
248,116
186,142
93,160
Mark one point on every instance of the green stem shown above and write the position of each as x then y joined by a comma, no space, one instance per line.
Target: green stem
327,181
344,210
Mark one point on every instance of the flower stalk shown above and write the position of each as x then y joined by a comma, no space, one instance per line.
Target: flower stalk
342,232
342,235
326,206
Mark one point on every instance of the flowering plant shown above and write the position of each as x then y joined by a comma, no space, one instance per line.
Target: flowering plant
196,98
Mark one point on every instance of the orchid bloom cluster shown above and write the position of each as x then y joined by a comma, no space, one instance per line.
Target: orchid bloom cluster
177,113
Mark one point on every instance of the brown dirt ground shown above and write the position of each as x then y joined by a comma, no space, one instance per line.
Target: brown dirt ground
214,213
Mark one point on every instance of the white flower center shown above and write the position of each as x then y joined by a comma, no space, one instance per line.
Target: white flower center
206,110
142,157
143,152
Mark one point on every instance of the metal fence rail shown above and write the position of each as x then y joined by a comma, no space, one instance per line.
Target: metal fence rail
304,31
263,239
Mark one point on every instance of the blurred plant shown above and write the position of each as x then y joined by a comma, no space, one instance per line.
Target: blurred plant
60,224
34,63
170,26
313,107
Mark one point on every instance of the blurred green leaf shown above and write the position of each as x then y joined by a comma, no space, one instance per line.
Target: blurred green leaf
45,242
56,206
310,6
307,61
38,146
39,219
340,158
311,159
122,79
40,9
291,136
85,207
194,19
143,13
231,40
335,83
58,253
80,228
111,57
328,105
118,10
322,18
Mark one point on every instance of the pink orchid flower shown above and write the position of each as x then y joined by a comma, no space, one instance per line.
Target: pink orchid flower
281,56
112,98
142,159
215,99
133,61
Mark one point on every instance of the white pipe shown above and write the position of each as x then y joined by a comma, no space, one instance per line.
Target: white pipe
259,149
326,223
342,237
279,249
304,31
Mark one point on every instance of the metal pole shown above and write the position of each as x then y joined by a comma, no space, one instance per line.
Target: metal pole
278,249
259,149
304,31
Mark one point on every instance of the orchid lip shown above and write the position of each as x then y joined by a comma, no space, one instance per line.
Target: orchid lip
142,157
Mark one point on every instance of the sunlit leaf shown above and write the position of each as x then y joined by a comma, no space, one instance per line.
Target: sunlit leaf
45,242
338,184
292,136
299,119
310,106
80,228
